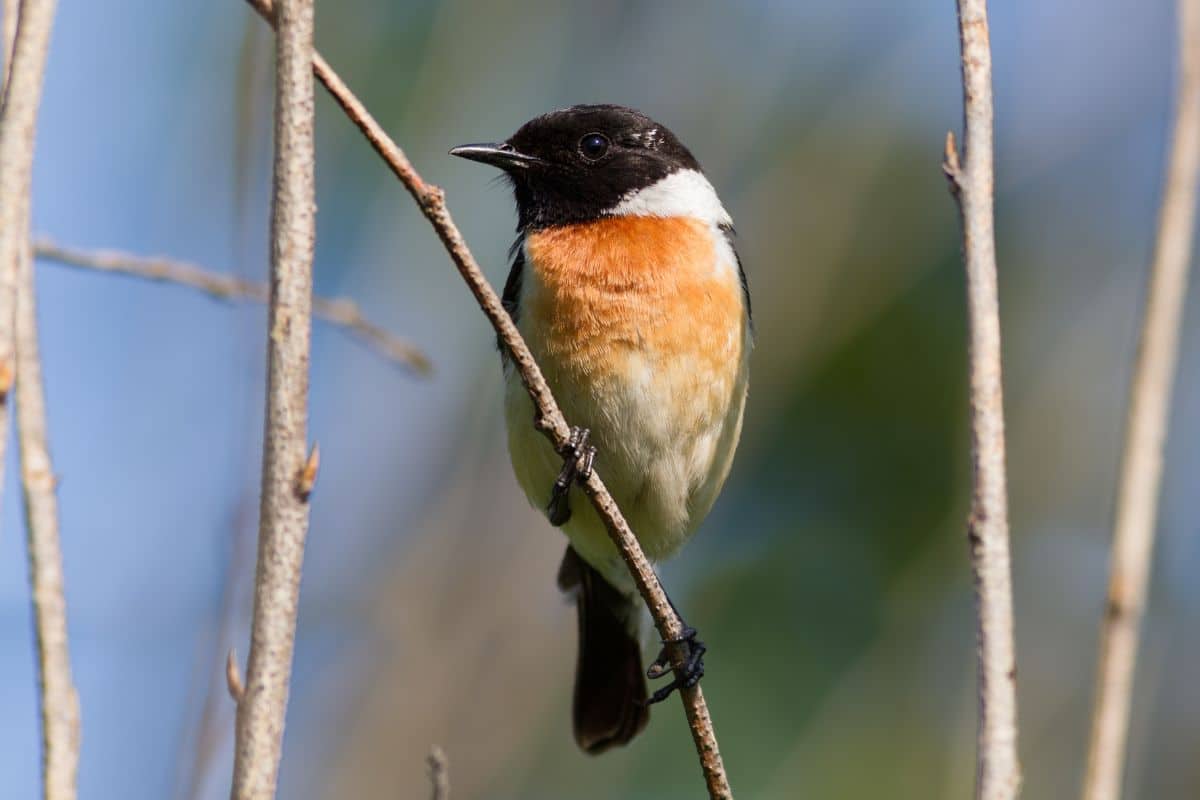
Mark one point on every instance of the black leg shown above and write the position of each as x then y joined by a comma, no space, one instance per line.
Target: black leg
577,450
687,675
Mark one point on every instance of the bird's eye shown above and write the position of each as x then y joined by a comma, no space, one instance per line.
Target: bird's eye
593,146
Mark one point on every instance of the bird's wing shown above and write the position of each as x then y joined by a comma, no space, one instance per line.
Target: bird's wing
510,299
729,236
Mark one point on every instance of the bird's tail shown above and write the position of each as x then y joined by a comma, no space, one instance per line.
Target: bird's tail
610,689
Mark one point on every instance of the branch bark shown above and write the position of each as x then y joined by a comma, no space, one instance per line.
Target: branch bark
1146,428
18,122
998,773
19,358
549,419
340,312
60,701
288,469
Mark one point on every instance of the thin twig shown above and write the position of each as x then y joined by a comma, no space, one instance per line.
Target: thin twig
548,418
998,771
18,353
286,482
343,313
251,128
1146,428
439,773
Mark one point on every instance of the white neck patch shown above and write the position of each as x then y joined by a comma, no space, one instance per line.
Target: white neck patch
686,193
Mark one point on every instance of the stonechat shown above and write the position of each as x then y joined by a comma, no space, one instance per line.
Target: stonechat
626,286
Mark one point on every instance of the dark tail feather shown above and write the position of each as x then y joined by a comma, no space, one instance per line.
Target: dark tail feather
610,689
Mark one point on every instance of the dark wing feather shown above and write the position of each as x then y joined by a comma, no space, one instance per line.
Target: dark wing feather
512,287
729,236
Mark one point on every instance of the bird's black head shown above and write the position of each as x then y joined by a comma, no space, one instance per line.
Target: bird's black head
578,164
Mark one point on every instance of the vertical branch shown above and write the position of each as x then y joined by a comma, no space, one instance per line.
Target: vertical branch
25,66
1146,428
998,774
18,122
288,470
60,702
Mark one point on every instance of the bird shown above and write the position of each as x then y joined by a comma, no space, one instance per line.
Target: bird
626,286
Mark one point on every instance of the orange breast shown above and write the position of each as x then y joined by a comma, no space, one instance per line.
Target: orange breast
650,285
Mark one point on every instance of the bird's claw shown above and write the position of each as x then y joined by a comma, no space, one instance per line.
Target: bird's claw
578,458
686,676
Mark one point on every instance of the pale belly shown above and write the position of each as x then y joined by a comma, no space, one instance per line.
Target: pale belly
662,395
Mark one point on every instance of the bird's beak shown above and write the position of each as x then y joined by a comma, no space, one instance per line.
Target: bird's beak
502,155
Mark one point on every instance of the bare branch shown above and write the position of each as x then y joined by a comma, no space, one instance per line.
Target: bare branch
283,520
1146,428
439,773
549,419
60,701
18,123
343,313
998,772
19,354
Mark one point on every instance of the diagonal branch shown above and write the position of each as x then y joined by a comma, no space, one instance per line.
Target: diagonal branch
289,470
343,313
998,771
1146,428
549,419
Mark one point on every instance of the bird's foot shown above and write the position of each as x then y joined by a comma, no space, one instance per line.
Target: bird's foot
578,458
687,675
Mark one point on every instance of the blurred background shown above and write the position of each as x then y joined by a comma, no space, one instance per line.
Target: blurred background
831,580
